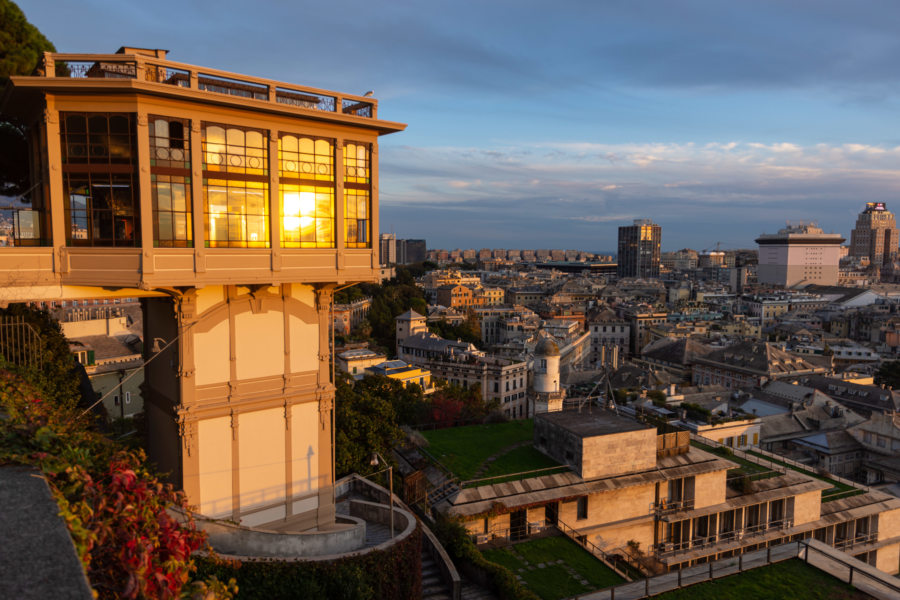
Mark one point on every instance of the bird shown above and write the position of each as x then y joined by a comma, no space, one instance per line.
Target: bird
368,94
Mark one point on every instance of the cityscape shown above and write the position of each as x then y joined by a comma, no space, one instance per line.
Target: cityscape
454,311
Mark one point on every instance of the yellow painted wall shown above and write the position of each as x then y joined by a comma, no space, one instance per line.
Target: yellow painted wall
214,443
618,537
709,489
889,524
305,449
807,507
304,336
259,344
211,355
261,457
888,559
207,297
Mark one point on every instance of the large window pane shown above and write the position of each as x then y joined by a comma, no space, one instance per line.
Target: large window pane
99,167
170,168
357,195
306,170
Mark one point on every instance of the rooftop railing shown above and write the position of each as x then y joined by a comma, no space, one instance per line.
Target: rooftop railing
165,72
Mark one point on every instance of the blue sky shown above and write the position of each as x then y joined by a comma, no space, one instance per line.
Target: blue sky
549,124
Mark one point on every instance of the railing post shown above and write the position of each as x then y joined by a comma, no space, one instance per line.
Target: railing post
647,587
769,555
49,65
740,563
710,570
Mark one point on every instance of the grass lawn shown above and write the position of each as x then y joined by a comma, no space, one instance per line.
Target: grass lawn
837,490
789,579
747,467
555,580
524,458
463,449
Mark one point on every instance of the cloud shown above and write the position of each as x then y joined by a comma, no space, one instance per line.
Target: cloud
579,192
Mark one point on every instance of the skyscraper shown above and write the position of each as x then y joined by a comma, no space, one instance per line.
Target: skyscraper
875,235
639,249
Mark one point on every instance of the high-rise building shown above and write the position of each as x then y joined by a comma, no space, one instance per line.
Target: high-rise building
639,249
799,254
410,251
875,235
387,249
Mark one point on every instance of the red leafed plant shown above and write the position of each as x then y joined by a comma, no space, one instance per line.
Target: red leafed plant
131,546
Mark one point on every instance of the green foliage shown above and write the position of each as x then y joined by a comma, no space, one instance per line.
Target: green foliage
21,43
467,331
389,300
453,404
657,396
59,376
21,47
390,574
115,509
463,449
697,412
789,579
888,374
365,422
456,540
553,581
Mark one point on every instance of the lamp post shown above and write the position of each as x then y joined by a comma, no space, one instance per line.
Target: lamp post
390,469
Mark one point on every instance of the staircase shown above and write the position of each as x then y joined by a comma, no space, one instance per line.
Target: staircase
433,586
443,490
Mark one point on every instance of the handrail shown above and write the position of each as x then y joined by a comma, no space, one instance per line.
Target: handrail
356,107
585,543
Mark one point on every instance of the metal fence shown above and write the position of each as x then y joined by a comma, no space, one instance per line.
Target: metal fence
20,343
815,553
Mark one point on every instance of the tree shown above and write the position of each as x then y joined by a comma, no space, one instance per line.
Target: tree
21,43
21,47
888,374
365,422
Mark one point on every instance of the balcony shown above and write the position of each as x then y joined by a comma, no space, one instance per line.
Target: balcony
156,71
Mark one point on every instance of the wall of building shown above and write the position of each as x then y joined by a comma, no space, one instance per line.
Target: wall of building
709,489
256,403
618,453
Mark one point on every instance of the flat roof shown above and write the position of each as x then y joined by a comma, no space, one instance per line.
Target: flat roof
590,424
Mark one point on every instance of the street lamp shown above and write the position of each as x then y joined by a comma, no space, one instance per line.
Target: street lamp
390,469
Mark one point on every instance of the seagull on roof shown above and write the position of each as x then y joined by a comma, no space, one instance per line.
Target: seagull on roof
368,94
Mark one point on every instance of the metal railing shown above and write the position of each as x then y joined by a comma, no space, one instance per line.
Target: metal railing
20,343
155,70
582,541
815,553
668,549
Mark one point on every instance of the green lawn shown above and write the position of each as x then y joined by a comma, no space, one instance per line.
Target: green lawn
463,449
792,579
554,580
746,467
837,490
524,458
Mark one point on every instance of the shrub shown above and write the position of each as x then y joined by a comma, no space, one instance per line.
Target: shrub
114,507
456,540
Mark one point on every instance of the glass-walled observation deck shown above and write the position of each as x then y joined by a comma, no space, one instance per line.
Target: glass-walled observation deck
152,173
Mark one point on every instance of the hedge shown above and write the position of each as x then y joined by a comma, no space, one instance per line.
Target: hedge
394,573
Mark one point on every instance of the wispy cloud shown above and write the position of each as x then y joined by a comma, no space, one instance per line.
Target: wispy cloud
738,189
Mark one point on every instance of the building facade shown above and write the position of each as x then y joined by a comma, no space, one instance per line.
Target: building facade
875,236
626,484
799,254
232,206
639,250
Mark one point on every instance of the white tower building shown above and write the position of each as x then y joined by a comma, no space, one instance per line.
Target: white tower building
545,381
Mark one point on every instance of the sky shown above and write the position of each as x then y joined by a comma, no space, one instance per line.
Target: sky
550,124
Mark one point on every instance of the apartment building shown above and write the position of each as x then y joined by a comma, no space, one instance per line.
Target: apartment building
626,484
